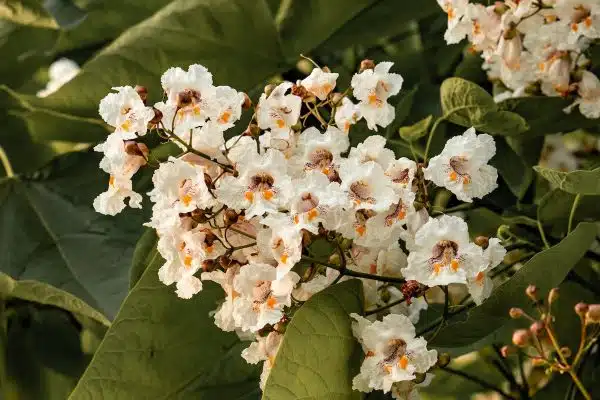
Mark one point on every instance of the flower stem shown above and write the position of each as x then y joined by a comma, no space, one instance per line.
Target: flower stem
431,133
572,215
6,163
385,307
542,234
355,274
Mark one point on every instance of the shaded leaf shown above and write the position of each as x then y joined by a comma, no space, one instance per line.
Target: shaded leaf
554,210
145,251
49,232
161,346
319,356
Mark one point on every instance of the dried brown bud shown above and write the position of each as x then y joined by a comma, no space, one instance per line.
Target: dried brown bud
224,261
520,337
300,91
199,216
247,104
265,330
411,289
136,149
531,292
209,237
230,217
142,92
306,238
269,89
209,265
158,116
553,295
537,328
581,309
366,64
443,359
505,351
482,241
593,314
208,180
515,313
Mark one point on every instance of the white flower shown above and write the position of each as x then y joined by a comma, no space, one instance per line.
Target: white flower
386,227
318,282
226,107
480,286
262,296
262,185
486,27
121,166
320,151
582,17
462,166
346,115
126,111
60,72
373,149
401,172
457,26
366,185
278,111
442,253
284,243
320,83
224,317
412,310
556,155
589,92
181,185
372,88
313,198
264,349
392,352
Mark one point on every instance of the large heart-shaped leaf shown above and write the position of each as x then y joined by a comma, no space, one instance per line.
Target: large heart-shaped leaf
555,207
161,346
319,356
545,270
49,232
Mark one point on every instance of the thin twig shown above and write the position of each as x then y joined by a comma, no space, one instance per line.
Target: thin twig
478,381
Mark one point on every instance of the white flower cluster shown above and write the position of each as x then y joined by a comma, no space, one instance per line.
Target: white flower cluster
526,43
241,212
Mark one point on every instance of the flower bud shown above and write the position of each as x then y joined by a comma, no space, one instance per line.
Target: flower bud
581,309
537,328
553,295
593,314
208,265
247,102
326,69
443,359
482,241
566,352
538,361
208,180
384,295
505,351
269,89
224,261
297,127
366,64
230,217
515,313
503,232
334,259
531,292
199,215
254,130
419,378
300,91
521,337
142,92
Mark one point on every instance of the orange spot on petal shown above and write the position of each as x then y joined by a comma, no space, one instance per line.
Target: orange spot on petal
454,264
453,176
361,229
312,214
271,302
187,261
373,268
280,123
186,199
283,258
437,267
403,362
267,194
249,196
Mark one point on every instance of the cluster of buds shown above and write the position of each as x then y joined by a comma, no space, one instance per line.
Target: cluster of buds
532,46
540,342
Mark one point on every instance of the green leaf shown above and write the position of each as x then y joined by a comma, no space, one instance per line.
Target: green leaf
161,346
145,251
555,208
517,174
468,104
546,270
47,295
49,232
403,107
319,356
416,131
545,115
577,182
